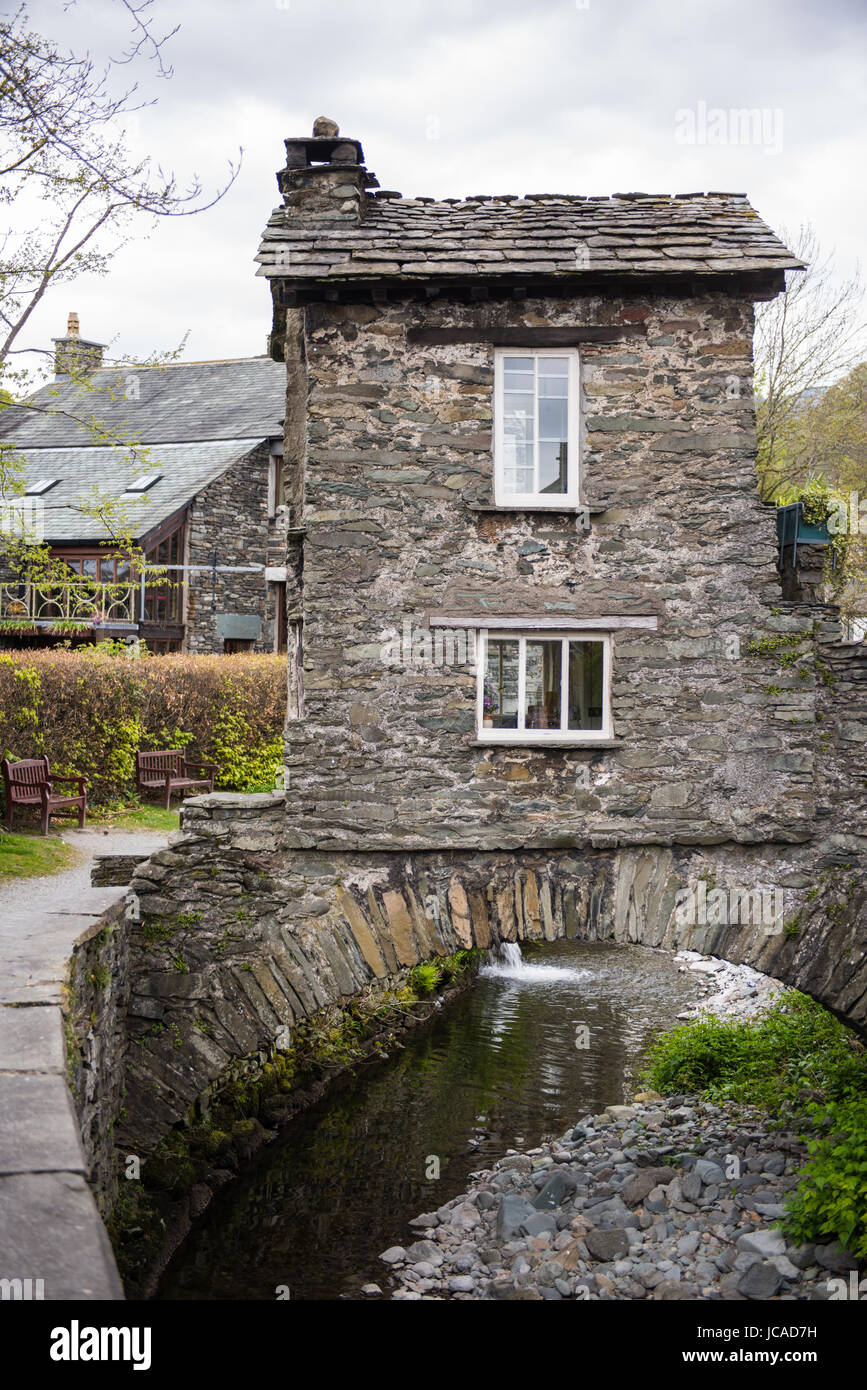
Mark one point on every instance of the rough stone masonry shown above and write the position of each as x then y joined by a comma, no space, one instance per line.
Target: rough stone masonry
738,721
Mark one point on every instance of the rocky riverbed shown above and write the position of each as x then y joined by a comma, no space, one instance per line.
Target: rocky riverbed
663,1199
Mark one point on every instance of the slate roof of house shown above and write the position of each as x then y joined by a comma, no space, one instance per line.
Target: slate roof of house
413,238
193,419
182,402
185,470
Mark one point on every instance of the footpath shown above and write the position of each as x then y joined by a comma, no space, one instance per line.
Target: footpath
50,1230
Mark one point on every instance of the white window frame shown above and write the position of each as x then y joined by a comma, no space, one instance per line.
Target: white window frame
538,500
275,464
563,735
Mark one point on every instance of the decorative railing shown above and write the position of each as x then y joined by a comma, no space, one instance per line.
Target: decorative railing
83,602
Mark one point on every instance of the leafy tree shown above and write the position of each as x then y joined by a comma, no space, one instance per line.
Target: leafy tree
73,193
806,339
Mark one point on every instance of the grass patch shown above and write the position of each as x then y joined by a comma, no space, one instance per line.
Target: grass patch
144,816
32,856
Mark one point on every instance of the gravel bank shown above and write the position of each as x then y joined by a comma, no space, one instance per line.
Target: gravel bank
663,1199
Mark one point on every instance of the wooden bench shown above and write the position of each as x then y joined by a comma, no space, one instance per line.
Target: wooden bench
167,770
31,783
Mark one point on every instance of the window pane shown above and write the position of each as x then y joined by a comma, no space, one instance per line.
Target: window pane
554,386
518,364
106,571
585,685
553,419
553,472
500,696
542,695
553,366
518,417
517,466
88,567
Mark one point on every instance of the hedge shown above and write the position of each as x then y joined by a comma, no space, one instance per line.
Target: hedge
90,710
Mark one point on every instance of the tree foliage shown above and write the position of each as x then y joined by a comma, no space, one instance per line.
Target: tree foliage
73,193
806,340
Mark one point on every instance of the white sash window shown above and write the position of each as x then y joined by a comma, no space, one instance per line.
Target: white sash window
544,686
536,429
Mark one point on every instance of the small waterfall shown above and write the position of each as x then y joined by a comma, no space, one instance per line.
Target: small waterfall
511,954
506,961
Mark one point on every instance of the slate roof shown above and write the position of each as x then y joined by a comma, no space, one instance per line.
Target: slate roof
183,402
194,419
186,469
635,233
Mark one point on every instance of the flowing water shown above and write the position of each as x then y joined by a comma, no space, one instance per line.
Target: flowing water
502,1068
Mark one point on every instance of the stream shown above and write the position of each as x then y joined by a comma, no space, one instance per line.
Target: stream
501,1068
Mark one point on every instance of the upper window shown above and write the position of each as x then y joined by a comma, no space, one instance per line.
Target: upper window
544,686
536,429
38,489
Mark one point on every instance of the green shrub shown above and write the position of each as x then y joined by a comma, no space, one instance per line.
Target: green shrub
89,710
423,979
766,1061
800,1062
246,764
831,1199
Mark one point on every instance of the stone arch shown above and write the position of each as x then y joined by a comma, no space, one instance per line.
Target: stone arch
269,936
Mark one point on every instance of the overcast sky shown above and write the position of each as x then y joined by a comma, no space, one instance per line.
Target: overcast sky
456,97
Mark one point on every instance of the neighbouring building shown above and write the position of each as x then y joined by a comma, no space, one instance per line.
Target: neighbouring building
194,450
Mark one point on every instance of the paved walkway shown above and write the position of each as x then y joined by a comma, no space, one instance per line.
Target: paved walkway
42,918
50,1229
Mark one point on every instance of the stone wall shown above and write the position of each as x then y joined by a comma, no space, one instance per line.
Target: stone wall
231,516
841,744
397,461
96,1043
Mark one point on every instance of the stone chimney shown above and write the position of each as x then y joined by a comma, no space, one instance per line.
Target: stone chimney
74,353
325,178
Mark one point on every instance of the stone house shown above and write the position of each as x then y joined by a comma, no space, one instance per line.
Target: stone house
194,452
543,678
527,560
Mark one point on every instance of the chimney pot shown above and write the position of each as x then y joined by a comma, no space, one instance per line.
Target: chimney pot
324,178
72,327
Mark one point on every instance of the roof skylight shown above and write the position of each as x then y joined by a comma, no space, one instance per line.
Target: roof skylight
143,482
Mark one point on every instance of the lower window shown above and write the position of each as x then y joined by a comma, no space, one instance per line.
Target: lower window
545,686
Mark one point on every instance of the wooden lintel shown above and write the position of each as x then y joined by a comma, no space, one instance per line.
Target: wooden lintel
526,337
528,622
755,285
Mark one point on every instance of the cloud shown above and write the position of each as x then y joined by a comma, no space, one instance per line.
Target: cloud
453,98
